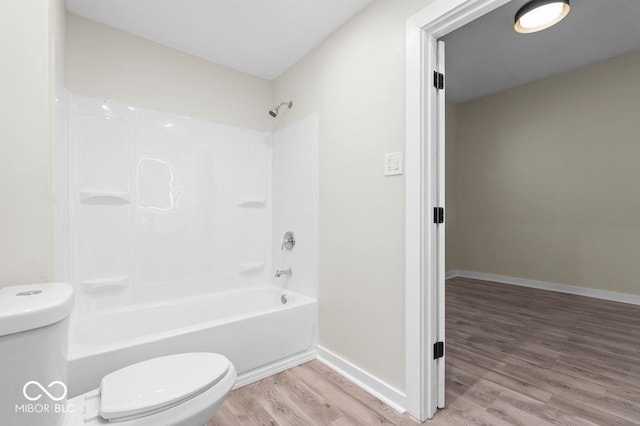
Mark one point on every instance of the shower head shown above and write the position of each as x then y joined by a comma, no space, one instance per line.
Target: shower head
274,111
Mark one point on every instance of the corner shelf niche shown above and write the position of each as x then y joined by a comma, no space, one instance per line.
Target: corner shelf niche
105,198
246,268
106,284
252,202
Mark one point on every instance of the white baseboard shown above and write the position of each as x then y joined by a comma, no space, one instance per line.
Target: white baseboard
451,274
542,285
376,387
274,368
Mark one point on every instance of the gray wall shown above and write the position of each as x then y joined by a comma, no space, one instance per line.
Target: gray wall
547,182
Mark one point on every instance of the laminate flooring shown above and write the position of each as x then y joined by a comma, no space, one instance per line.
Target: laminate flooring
514,356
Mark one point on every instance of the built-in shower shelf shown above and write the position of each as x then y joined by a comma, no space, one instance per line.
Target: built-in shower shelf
251,267
105,197
106,284
252,202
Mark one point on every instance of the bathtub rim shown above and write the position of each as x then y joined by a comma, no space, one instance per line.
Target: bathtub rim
78,350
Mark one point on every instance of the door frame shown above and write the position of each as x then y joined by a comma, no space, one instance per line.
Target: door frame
421,195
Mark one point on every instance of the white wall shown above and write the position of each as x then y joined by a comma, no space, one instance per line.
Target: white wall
355,82
547,179
104,62
295,201
57,40
31,43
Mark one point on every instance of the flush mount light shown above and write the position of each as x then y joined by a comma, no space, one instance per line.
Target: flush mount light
538,15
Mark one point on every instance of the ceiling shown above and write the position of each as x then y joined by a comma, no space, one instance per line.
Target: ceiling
259,37
487,56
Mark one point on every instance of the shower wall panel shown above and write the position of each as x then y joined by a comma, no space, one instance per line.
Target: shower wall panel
296,203
164,206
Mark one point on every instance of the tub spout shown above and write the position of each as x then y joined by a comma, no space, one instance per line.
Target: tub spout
283,272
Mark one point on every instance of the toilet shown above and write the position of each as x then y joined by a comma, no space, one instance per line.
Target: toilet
183,389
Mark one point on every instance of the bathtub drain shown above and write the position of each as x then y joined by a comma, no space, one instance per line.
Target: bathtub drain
283,299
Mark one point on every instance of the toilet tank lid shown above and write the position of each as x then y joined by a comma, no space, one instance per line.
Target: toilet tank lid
158,384
29,306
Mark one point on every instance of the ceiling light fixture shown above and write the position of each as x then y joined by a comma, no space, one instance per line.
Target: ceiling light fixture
538,15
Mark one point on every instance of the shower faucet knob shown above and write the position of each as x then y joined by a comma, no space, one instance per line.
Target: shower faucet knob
289,241
283,272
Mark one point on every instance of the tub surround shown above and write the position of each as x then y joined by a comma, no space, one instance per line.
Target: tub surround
171,240
164,206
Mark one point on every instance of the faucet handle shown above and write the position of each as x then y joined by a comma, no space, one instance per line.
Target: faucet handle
283,272
289,241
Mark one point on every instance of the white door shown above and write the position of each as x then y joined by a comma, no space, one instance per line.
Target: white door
440,240
425,177
425,253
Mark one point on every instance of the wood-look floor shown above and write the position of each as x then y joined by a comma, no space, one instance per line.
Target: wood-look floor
311,394
515,356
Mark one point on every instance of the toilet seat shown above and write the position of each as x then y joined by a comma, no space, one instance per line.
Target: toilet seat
183,401
157,384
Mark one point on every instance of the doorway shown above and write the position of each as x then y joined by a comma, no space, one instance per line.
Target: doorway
427,133
424,273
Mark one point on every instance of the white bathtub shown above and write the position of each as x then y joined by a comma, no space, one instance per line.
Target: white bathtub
251,327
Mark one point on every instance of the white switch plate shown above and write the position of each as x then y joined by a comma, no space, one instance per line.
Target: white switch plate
393,164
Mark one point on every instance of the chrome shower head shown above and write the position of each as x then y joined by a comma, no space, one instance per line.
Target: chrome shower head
273,112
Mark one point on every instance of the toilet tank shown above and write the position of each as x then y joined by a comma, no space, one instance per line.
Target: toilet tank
34,333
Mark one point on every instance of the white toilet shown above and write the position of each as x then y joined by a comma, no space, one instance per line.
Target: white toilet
185,389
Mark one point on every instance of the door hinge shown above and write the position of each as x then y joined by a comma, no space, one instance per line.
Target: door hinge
438,350
438,215
438,80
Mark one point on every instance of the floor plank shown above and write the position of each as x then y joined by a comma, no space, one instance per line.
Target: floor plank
514,356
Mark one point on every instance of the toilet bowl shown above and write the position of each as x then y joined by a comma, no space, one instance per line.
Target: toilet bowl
183,390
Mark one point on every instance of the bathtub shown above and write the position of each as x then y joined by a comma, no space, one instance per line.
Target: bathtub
252,327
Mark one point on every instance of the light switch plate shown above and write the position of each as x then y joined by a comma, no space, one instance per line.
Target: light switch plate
393,164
